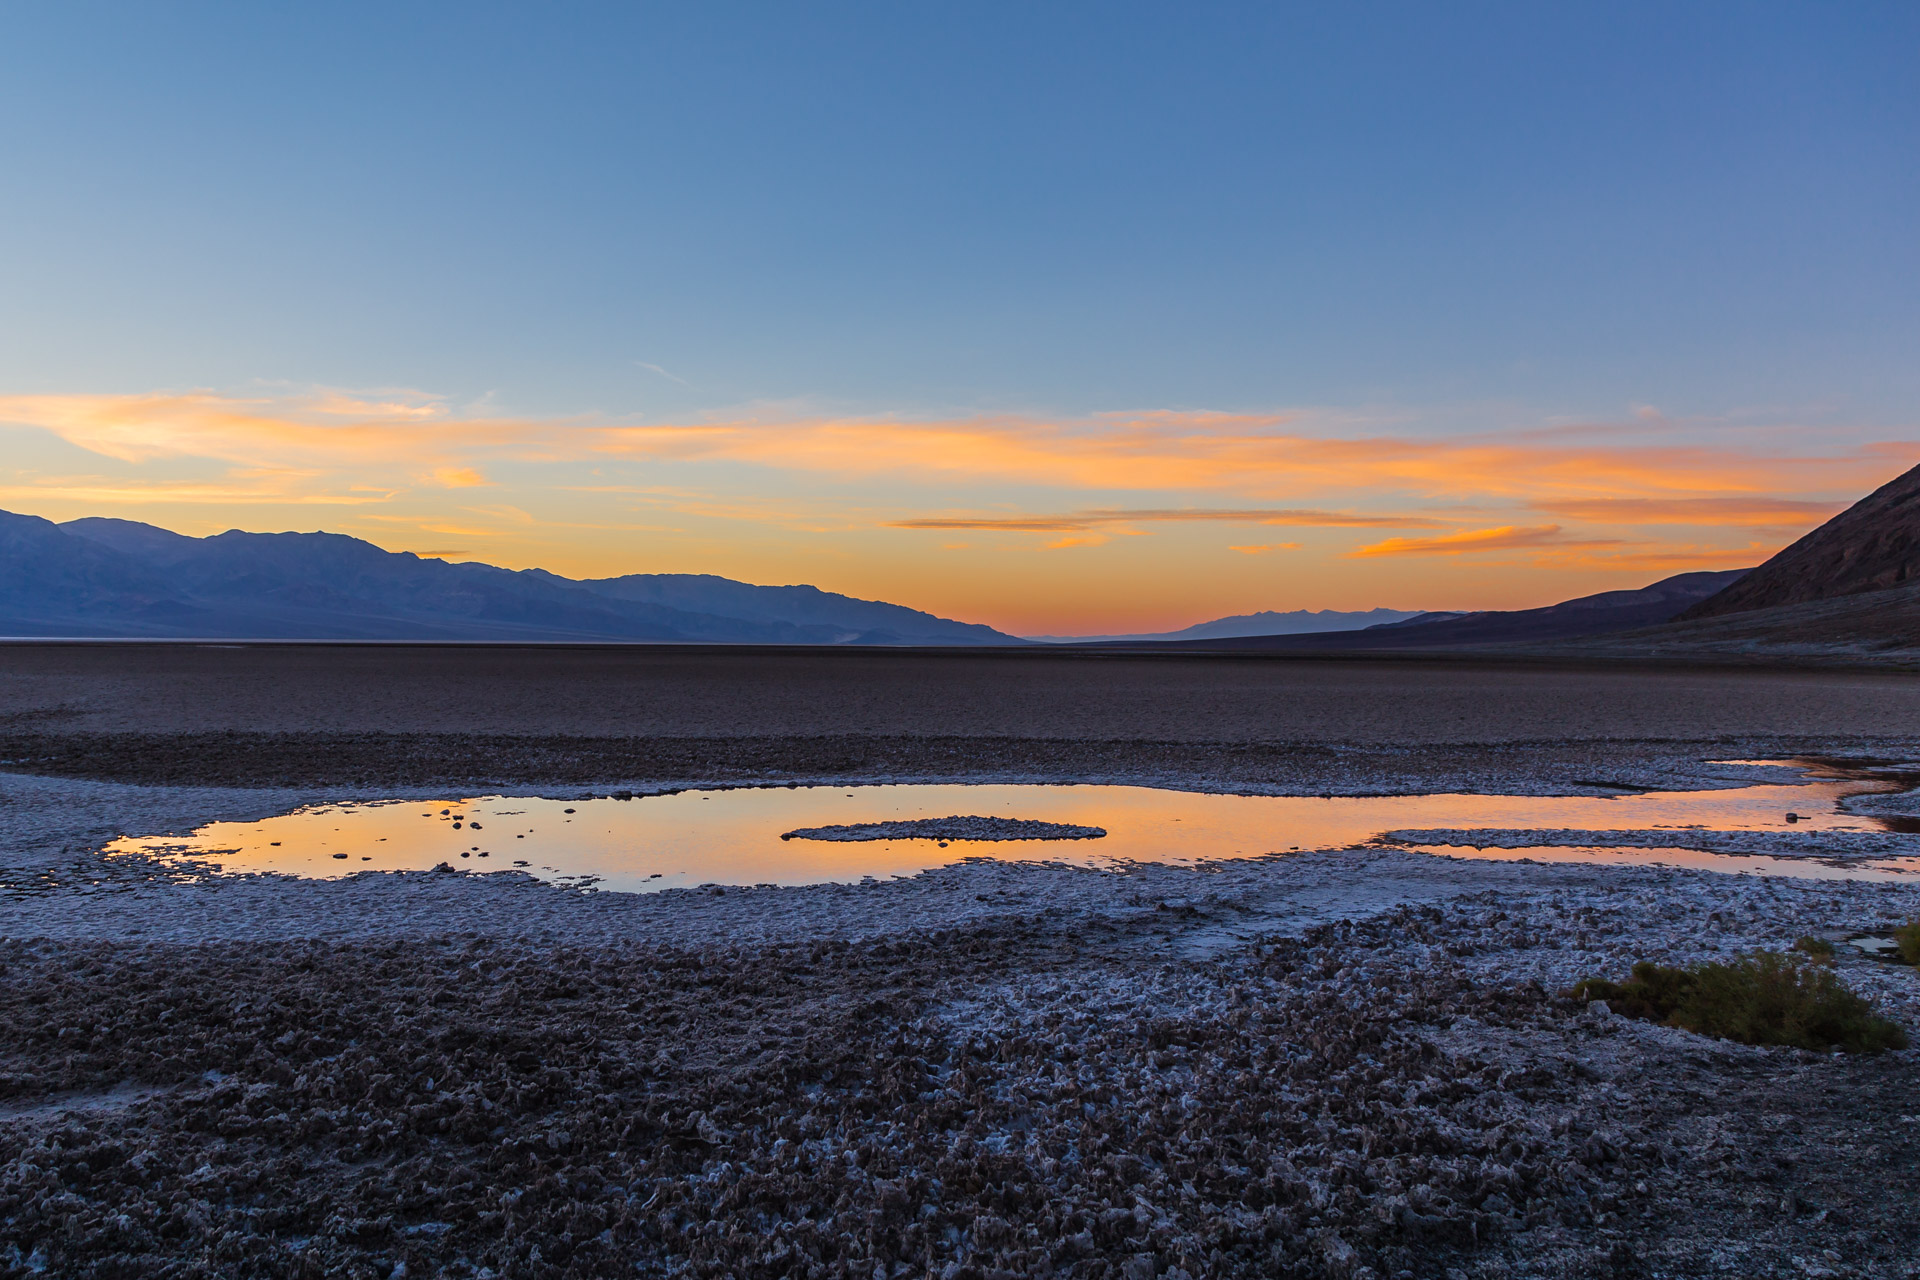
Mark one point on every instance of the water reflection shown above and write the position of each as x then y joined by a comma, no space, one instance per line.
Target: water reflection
733,837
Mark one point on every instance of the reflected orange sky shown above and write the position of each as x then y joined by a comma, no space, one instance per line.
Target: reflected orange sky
734,836
1036,525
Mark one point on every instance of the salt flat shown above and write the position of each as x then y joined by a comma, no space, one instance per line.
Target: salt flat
694,692
1345,1062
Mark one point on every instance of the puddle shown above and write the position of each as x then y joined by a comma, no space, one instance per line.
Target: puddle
1877,945
734,837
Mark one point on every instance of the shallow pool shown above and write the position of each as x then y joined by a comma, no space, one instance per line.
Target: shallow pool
735,836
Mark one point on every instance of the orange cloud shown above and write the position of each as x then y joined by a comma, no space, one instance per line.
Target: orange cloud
1090,519
720,484
1664,559
327,430
1742,510
1241,454
1260,456
1264,547
249,490
1503,538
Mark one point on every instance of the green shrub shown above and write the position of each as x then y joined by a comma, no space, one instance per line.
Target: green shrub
1816,948
1907,938
1651,994
1763,998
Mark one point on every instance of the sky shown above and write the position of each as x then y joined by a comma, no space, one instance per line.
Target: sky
1065,318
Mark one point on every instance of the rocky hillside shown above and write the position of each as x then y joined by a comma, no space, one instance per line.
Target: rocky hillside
1874,545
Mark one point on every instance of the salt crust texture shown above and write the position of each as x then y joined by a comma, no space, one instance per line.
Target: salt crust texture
1551,1107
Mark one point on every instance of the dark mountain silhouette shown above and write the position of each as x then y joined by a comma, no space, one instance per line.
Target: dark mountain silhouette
1873,626
797,605
1874,545
119,578
1600,614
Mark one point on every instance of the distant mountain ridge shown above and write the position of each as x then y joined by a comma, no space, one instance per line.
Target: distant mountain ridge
1874,545
1601,614
1265,623
108,578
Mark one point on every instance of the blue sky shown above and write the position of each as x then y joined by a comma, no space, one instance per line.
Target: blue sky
1688,226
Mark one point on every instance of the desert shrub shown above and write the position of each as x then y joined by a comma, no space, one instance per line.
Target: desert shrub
1764,998
1907,938
1815,948
1651,994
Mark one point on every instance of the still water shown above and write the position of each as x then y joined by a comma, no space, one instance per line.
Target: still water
734,837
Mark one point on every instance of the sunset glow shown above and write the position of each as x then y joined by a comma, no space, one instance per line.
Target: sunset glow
1102,523
1260,316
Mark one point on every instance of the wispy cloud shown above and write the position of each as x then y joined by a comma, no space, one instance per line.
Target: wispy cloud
1094,519
1264,547
654,368
1583,496
1659,559
235,491
1504,538
1757,510
1257,457
1261,456
327,429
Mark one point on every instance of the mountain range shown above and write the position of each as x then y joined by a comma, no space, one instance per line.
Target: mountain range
99,577
1600,614
1851,585
1265,623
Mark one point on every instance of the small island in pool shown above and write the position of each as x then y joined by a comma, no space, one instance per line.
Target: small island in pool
953,828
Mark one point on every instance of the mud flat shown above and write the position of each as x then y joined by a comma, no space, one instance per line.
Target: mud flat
1345,1062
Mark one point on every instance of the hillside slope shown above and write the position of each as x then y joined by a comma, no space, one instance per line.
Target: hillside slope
1874,545
1876,627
